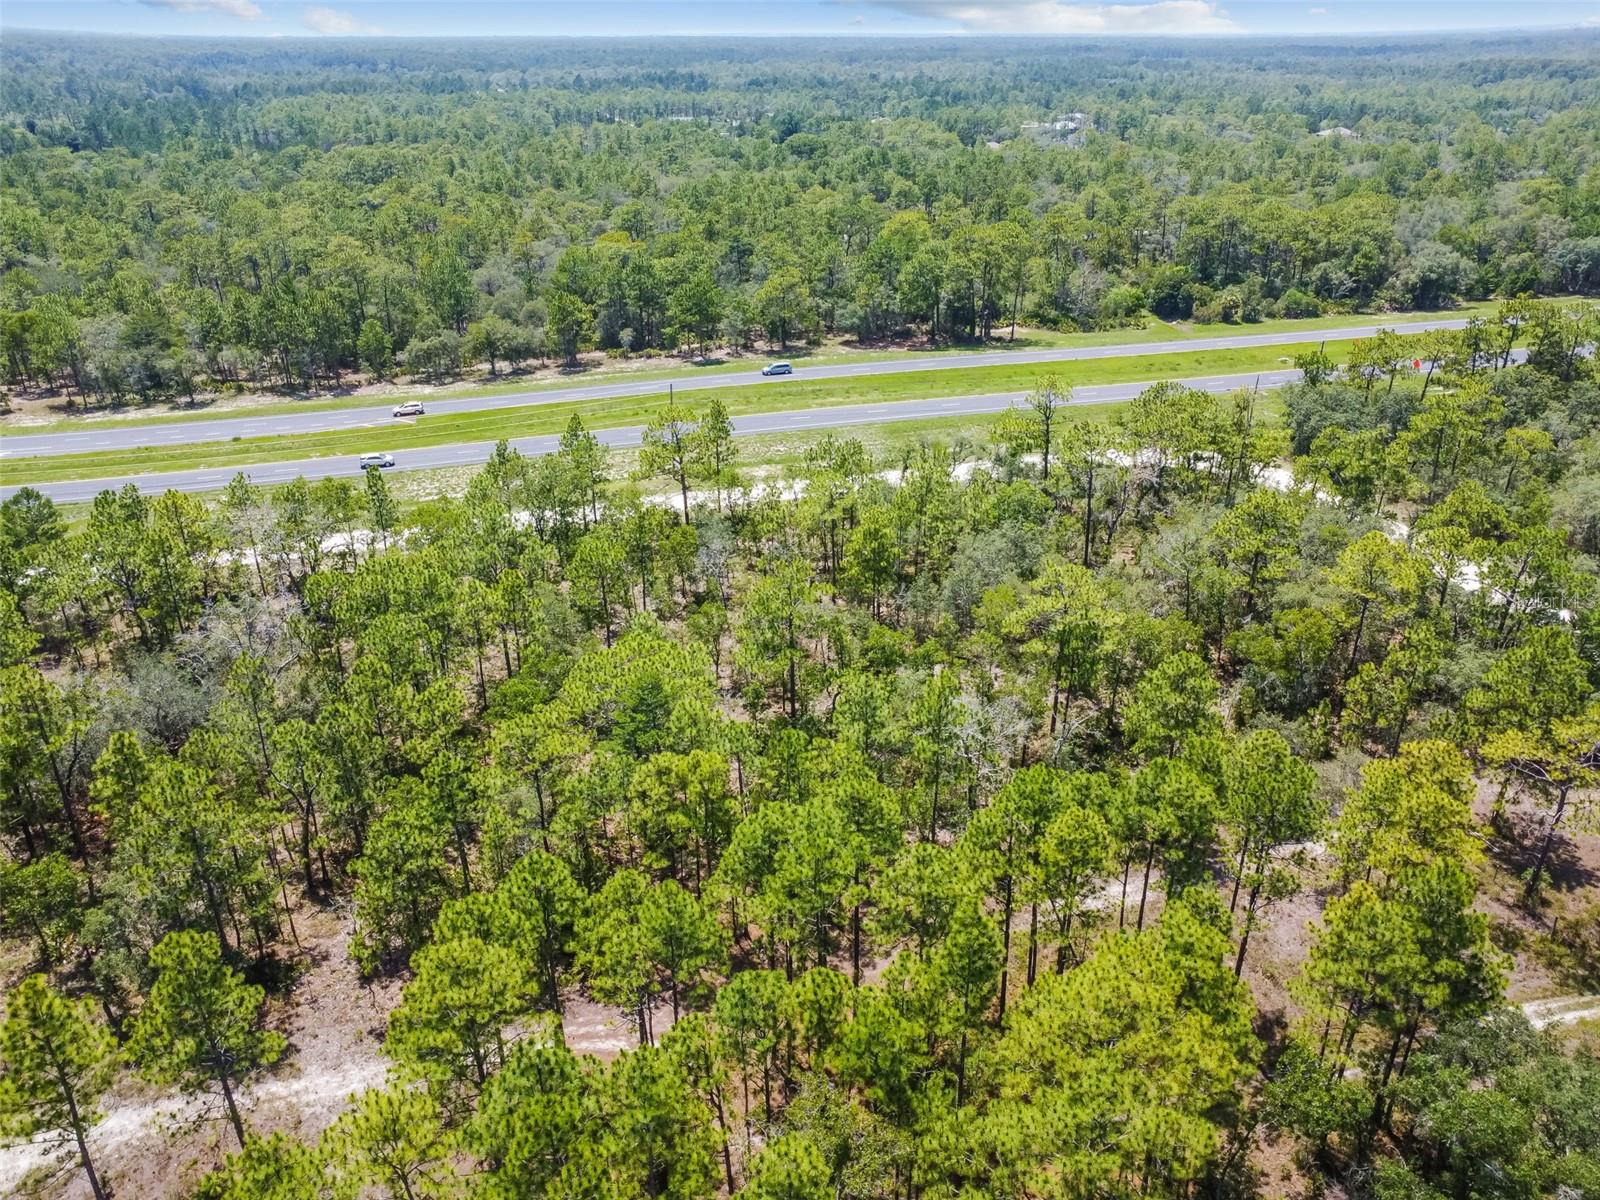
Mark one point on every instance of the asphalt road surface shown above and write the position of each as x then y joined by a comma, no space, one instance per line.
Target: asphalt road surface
109,437
467,453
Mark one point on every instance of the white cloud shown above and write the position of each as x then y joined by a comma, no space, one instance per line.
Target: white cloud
1319,12
1591,22
330,20
1067,19
243,9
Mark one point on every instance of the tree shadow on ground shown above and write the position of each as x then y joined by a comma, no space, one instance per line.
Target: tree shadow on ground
1514,847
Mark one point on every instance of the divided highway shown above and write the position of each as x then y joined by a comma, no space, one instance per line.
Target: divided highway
108,437
467,453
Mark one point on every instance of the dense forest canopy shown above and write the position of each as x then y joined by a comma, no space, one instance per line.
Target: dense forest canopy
1081,820
1157,800
178,214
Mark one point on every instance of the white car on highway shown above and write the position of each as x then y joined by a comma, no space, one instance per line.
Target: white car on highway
376,460
411,408
778,368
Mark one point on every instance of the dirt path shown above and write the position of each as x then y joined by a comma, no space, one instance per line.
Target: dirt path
120,1138
156,1146
152,1147
1562,1010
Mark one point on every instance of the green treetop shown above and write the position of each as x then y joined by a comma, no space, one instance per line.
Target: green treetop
58,1061
201,1022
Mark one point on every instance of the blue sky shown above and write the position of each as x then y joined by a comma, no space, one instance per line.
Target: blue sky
417,18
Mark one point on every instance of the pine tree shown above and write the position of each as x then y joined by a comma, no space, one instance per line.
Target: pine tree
1537,725
1065,622
962,980
684,942
655,1136
749,1012
697,1046
1073,854
1045,403
1089,453
530,1120
872,821
872,557
696,308
584,460
791,1168
1382,580
613,951
57,1060
1270,802
883,1052
401,880
1001,852
599,580
1128,1054
201,1023
1402,949
918,896
780,618
669,448
1562,765
531,912
683,807
273,1168
1172,703
714,450
381,508
395,1139
802,898
933,745
1380,697
454,1020
44,747
41,901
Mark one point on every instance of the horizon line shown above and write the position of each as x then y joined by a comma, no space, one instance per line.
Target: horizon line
816,36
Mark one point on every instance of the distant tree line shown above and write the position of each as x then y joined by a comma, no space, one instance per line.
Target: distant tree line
284,220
